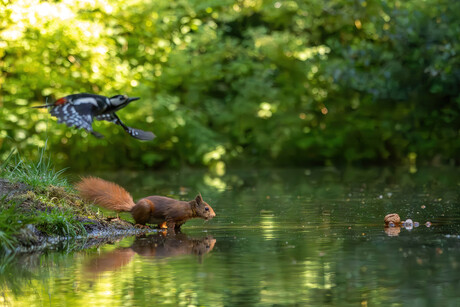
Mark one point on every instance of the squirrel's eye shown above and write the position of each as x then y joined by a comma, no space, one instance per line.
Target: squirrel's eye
206,208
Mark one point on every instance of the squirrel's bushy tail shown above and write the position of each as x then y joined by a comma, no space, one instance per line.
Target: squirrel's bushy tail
105,194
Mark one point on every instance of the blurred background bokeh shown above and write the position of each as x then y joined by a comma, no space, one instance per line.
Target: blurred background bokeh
236,83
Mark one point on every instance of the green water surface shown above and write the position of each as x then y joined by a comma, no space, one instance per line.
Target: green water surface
310,237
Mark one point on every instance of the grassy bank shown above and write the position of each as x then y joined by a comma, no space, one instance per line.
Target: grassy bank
39,206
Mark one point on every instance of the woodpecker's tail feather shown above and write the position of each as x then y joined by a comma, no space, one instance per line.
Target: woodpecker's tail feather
105,194
140,134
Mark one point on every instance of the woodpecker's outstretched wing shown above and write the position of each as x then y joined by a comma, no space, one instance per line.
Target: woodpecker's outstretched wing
135,133
79,116
79,110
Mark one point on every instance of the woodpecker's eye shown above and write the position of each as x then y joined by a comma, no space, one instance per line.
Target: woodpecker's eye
206,208
118,99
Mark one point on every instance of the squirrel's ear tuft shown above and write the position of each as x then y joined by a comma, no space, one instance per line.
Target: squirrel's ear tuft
199,199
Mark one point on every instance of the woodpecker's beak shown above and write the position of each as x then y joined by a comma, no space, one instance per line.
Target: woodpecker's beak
132,99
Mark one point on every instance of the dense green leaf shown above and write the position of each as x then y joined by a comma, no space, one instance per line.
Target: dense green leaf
268,82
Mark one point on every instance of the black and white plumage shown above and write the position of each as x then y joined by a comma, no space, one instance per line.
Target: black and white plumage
80,110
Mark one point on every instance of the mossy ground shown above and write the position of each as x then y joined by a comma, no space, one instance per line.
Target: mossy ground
38,207
32,216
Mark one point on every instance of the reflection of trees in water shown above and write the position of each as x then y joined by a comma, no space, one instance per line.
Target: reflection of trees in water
156,246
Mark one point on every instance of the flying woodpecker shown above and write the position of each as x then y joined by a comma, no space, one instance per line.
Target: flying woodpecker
80,110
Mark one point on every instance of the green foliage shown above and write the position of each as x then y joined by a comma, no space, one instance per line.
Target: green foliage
267,82
51,210
10,223
38,210
59,222
55,222
37,174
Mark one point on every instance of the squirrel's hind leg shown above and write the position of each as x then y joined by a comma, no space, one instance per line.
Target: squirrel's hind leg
141,211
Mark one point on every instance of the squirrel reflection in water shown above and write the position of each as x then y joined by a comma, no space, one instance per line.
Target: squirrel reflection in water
157,246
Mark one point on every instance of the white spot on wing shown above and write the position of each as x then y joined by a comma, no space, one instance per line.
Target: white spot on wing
89,100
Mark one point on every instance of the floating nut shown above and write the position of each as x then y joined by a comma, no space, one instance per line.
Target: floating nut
392,218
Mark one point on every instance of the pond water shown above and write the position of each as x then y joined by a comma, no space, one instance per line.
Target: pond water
310,237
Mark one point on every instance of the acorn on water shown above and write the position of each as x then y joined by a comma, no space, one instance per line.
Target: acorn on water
392,218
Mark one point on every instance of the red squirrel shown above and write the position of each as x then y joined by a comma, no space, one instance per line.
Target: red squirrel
164,211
